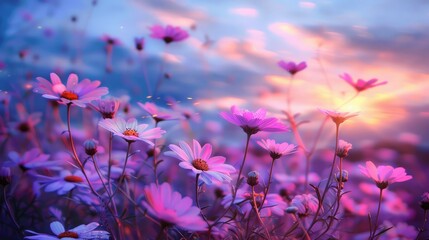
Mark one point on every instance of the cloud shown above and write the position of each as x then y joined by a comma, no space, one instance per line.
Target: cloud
245,12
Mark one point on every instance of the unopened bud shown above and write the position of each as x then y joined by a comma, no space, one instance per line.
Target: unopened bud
219,193
5,176
344,176
292,210
253,178
90,147
424,202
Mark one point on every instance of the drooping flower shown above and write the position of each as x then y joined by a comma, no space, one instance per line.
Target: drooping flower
306,203
200,161
277,150
383,176
361,85
253,122
171,209
78,93
338,117
343,148
84,231
168,34
292,67
130,130
157,113
106,107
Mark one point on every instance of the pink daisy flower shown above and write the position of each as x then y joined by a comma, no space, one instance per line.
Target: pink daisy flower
199,160
80,232
277,150
65,182
361,85
32,159
73,93
338,117
171,209
106,107
169,33
343,148
384,175
130,130
292,67
157,113
253,122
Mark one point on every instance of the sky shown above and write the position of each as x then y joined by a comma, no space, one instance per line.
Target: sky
231,55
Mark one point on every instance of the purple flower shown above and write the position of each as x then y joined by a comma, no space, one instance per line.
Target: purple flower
361,85
306,204
65,182
199,160
292,67
169,33
157,113
383,176
106,107
73,93
338,117
277,150
130,130
80,232
253,122
170,208
32,160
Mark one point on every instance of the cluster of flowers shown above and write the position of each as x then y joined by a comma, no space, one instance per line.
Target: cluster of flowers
114,174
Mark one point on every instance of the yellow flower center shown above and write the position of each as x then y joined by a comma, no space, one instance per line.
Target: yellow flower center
72,178
69,95
200,165
130,132
68,234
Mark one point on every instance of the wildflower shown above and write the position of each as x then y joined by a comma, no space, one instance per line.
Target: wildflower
106,107
277,150
157,113
63,183
338,117
306,203
361,85
292,67
253,122
253,178
31,160
424,202
80,232
199,160
26,122
344,176
5,176
384,175
110,40
73,93
169,33
171,209
139,43
343,148
130,130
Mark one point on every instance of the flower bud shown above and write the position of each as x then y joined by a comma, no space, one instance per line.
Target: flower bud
292,210
219,193
424,202
5,176
344,176
343,149
253,178
90,147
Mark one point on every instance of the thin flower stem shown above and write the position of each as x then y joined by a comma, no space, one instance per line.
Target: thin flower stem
109,169
234,193
155,162
9,210
372,236
122,176
268,185
307,236
255,207
161,74
328,181
97,169
142,58
289,97
197,200
422,229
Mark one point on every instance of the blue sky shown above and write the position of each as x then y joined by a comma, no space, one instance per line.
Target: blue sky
368,39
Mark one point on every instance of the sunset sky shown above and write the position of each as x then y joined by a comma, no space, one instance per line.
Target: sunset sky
232,53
